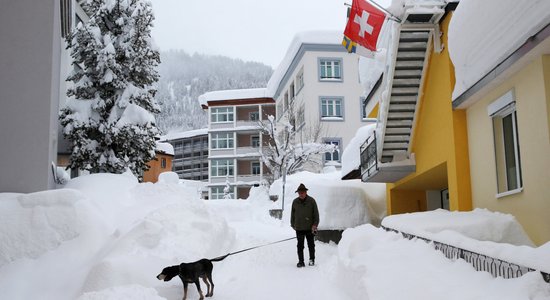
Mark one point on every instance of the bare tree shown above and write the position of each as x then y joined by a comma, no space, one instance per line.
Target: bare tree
289,147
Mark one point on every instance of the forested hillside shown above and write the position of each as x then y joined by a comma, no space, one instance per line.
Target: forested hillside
184,77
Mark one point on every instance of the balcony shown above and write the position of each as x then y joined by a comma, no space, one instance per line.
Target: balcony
372,170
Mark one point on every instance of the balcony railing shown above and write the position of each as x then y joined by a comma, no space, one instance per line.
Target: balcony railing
480,262
369,161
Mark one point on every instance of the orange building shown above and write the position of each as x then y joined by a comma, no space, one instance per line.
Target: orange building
161,163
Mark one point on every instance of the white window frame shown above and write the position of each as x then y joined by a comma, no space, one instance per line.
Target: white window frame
338,143
255,165
506,145
220,138
222,168
217,114
330,69
299,81
331,105
218,193
253,140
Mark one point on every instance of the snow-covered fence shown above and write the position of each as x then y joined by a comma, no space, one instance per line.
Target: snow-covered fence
480,262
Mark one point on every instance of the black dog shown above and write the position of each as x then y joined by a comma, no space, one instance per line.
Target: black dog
190,273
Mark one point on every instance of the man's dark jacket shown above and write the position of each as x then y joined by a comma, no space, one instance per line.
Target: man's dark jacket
304,213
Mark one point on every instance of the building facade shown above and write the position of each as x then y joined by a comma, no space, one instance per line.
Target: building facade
190,154
420,144
316,87
164,155
234,140
507,109
34,65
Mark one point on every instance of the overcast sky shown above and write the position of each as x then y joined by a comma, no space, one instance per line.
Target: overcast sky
252,30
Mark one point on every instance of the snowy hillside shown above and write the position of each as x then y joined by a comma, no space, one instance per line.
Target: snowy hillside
184,77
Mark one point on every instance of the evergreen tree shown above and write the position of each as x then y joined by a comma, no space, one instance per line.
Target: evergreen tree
109,117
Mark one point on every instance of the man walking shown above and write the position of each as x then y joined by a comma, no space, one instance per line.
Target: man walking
304,218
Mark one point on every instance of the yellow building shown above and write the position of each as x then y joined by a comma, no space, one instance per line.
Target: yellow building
508,116
486,146
421,145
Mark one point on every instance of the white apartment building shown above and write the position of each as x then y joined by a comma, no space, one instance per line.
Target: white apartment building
234,140
318,80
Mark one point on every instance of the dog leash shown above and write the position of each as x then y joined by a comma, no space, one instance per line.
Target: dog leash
231,253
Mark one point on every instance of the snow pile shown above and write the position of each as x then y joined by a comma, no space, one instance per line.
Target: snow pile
498,227
115,233
108,237
32,224
360,202
384,265
126,292
502,236
169,178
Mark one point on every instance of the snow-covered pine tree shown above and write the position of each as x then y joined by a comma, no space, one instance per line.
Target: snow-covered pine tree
109,117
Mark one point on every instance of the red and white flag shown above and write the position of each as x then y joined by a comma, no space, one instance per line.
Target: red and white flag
364,24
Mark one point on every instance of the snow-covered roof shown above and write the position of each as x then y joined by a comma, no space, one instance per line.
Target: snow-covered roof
351,157
165,148
184,134
236,94
482,34
319,37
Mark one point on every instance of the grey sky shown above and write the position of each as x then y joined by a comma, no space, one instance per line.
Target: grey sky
252,30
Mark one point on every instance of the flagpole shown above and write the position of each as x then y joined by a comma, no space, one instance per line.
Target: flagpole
392,17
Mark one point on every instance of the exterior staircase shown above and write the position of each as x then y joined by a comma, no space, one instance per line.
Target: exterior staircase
407,79
386,156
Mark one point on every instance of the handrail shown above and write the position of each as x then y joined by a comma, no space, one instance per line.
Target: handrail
369,158
480,262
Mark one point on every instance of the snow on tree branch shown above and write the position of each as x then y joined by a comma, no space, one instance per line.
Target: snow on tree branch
109,117
284,152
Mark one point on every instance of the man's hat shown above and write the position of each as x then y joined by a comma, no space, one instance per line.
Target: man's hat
302,187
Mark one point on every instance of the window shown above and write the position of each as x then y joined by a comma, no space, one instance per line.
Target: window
218,192
506,143
163,163
279,111
333,156
330,68
223,140
255,116
331,108
255,168
285,103
300,117
291,92
221,167
221,114
255,141
363,105
299,81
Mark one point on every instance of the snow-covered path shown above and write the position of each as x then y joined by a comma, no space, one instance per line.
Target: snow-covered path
106,237
268,272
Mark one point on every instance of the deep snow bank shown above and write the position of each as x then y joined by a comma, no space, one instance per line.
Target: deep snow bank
360,202
32,224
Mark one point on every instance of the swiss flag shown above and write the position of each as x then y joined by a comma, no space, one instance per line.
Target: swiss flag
364,24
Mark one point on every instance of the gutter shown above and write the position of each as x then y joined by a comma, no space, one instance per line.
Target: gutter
503,66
